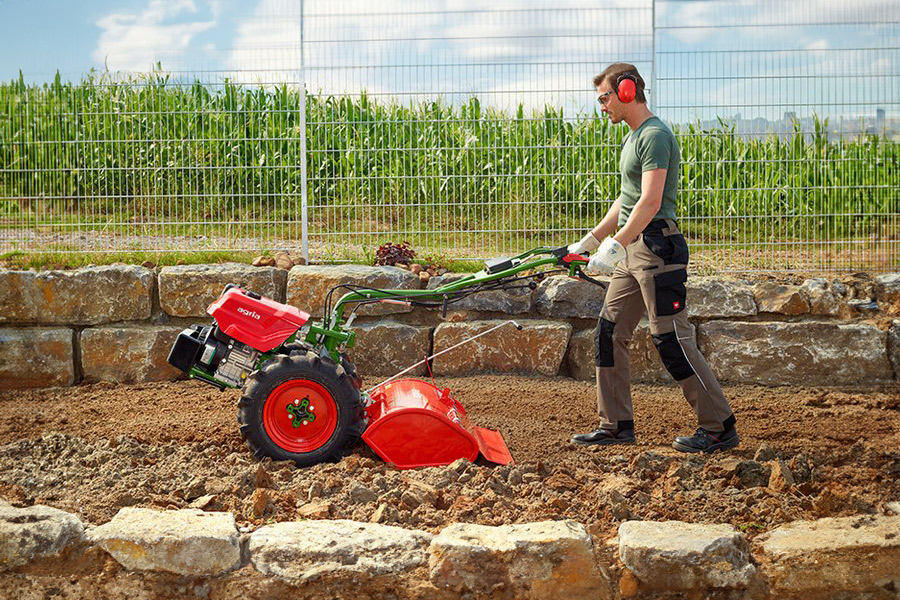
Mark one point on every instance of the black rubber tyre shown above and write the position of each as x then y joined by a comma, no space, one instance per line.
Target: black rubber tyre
268,410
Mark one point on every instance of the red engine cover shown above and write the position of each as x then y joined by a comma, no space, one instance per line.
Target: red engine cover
258,322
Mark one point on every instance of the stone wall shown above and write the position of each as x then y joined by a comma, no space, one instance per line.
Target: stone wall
116,323
189,553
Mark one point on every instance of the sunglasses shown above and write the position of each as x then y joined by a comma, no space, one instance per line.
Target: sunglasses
604,97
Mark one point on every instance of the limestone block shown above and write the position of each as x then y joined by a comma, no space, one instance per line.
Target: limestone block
538,348
35,532
306,550
646,365
887,290
676,556
795,353
128,354
561,297
17,297
36,357
386,348
822,298
512,302
710,298
534,561
830,558
188,290
773,297
307,286
93,295
186,542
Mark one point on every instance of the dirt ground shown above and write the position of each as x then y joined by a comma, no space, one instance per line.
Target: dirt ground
805,453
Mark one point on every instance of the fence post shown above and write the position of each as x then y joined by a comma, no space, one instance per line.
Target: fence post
304,206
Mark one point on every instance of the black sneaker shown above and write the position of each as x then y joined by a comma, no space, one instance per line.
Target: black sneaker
707,441
604,437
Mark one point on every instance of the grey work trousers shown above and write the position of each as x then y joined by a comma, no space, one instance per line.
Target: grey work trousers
652,279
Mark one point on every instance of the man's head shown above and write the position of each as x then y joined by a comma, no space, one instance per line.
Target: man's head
610,90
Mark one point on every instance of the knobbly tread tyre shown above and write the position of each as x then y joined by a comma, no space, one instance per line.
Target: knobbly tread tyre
300,366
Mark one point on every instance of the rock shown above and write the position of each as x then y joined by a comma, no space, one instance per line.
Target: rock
764,453
750,473
148,264
796,353
628,584
821,297
511,302
283,261
317,509
384,347
360,494
676,556
310,549
800,469
186,542
307,286
538,348
128,354
894,507
894,347
563,297
299,261
781,478
832,557
709,298
93,295
424,277
187,291
646,365
36,357
773,297
259,501
17,297
415,268
263,261
35,532
534,561
887,290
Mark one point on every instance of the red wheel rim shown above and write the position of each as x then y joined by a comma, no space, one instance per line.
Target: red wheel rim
300,415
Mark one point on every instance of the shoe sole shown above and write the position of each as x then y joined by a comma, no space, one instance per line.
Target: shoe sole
605,443
727,445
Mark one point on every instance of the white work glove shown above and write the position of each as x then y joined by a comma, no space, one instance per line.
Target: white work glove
606,258
586,244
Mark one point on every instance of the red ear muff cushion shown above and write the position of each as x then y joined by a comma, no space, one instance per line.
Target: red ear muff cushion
626,91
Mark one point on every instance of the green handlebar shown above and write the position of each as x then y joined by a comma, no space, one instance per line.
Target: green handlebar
332,334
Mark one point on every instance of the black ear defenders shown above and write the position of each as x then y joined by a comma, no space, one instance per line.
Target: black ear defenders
626,87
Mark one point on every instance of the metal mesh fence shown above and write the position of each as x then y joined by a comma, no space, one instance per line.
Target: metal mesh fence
472,132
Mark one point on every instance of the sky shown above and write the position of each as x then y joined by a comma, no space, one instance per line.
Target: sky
749,57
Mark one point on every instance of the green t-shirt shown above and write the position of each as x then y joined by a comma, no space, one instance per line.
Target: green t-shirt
651,146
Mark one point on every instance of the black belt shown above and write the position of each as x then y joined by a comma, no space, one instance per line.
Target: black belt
659,225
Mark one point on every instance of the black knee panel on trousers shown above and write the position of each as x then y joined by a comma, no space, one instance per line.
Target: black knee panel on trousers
672,355
603,343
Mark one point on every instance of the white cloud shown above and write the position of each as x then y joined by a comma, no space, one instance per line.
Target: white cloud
134,41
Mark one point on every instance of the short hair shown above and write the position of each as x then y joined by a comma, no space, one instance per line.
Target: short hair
613,72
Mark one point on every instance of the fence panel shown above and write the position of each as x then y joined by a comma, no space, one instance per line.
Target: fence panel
471,132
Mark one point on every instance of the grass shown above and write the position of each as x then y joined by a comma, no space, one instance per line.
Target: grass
51,260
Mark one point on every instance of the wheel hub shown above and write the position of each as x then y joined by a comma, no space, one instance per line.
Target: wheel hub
301,412
300,415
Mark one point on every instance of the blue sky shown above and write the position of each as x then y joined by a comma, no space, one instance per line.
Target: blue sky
505,51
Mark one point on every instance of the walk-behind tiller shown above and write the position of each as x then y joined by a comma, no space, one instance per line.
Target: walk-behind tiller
302,398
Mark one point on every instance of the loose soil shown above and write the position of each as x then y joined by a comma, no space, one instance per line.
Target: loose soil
805,453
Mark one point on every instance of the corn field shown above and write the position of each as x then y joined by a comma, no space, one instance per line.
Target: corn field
184,158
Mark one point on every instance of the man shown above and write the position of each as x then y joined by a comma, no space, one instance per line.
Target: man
648,258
